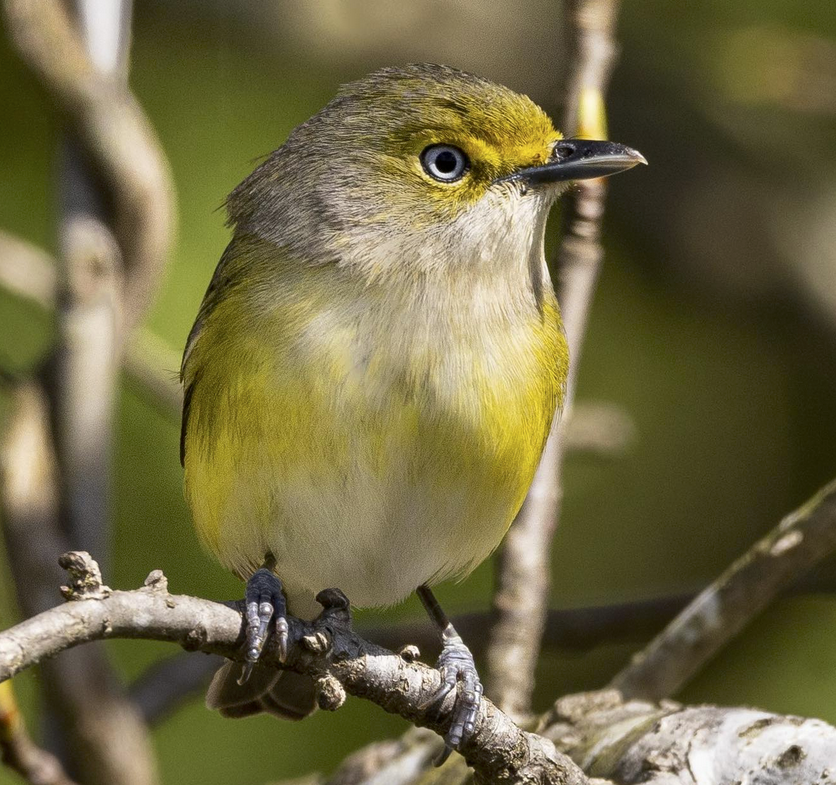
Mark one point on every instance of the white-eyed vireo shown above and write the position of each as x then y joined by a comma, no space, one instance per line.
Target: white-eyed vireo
376,363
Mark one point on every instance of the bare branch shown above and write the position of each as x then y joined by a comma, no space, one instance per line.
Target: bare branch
628,742
721,611
19,752
327,649
668,744
524,563
167,684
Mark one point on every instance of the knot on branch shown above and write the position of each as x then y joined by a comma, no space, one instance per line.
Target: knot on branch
85,577
330,694
156,582
409,653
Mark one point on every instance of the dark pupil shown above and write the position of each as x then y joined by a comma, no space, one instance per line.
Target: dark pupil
446,162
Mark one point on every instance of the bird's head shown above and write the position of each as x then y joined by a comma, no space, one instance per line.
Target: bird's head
408,159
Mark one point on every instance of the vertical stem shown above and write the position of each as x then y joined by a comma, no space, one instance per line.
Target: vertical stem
523,579
84,368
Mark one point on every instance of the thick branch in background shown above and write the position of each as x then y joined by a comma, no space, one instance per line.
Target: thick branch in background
524,563
724,608
114,241
115,136
668,744
88,315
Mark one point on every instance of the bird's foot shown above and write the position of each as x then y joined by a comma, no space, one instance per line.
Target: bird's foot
264,603
336,608
455,664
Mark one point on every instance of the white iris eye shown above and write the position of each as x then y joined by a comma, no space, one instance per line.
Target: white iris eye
444,162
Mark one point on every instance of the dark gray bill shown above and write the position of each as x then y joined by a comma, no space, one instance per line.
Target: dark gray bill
580,159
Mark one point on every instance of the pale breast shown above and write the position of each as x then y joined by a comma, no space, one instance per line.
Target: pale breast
403,457
369,439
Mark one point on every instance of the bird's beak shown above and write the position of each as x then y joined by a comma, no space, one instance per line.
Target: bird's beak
580,159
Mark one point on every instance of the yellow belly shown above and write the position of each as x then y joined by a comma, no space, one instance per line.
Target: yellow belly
361,449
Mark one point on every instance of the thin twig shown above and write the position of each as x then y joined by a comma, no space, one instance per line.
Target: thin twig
521,596
19,752
327,649
719,613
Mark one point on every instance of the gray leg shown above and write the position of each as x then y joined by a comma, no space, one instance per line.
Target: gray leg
455,664
264,602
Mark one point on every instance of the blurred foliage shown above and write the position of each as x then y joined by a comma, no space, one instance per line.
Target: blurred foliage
713,326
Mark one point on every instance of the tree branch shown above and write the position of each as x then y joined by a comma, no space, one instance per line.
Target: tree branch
669,744
721,611
523,567
629,742
327,649
167,684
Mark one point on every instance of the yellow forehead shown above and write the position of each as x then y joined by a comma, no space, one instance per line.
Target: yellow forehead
500,130
496,139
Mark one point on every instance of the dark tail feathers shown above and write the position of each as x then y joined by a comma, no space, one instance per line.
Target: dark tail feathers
291,696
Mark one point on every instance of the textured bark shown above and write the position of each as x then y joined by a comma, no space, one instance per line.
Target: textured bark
327,649
668,744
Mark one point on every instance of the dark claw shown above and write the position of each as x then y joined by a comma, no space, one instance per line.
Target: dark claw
264,602
335,606
442,756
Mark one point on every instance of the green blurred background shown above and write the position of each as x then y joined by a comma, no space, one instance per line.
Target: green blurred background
714,326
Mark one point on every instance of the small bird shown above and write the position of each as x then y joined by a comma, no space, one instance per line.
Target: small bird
376,363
